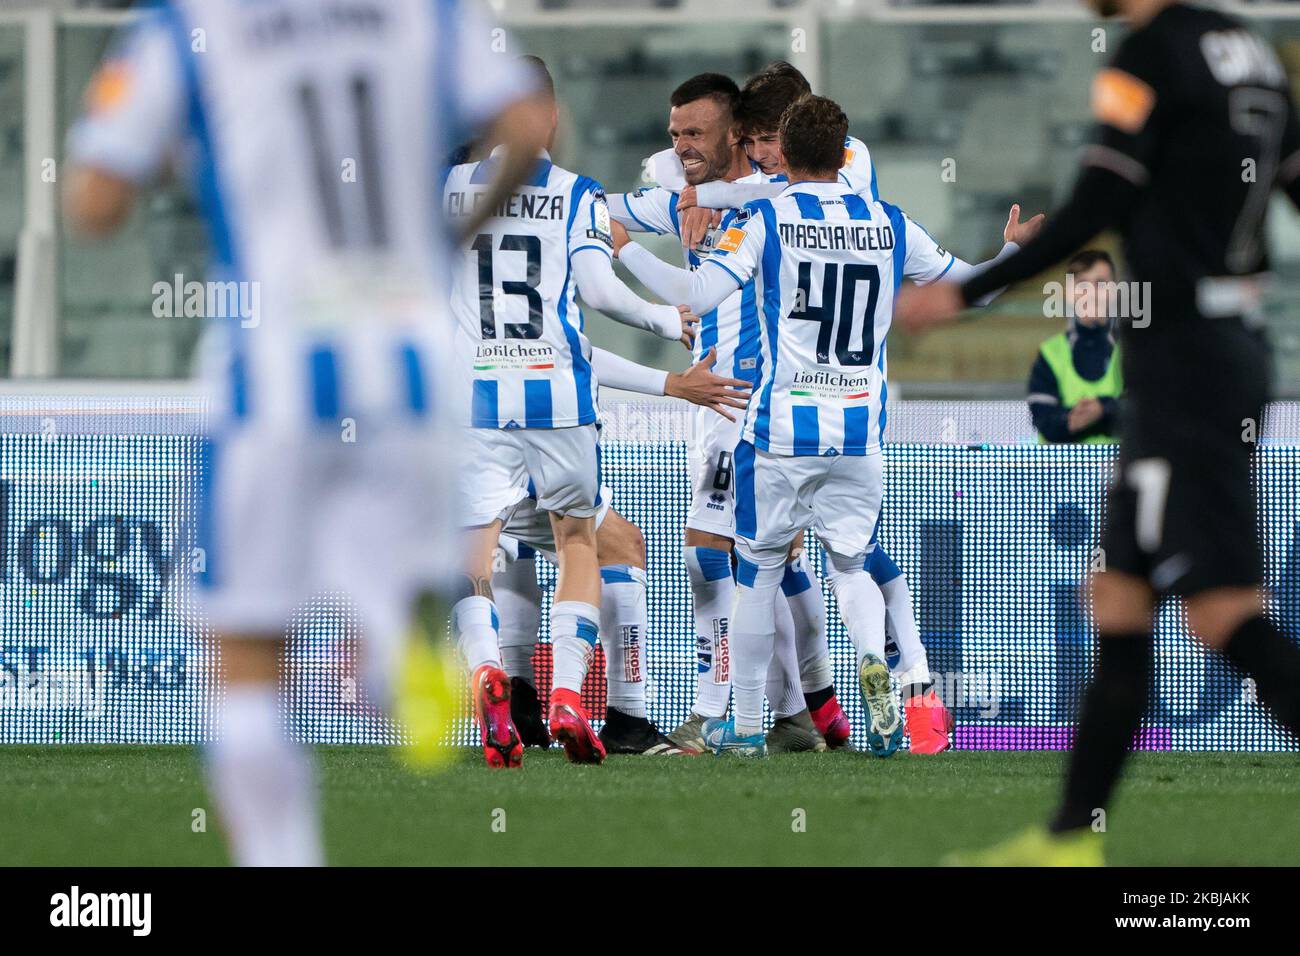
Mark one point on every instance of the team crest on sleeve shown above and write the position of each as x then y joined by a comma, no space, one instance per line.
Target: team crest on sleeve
601,229
848,157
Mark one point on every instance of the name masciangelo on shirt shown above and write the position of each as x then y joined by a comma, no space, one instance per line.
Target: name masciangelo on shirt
77,909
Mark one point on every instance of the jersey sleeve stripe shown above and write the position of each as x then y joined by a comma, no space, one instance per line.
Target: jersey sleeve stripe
951,260
644,225
714,262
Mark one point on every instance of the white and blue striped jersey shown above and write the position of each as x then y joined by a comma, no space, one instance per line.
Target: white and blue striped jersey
312,131
731,328
858,172
519,331
825,264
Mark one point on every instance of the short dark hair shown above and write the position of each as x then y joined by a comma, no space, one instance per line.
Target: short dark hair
813,131
1085,260
708,85
765,99
540,71
785,69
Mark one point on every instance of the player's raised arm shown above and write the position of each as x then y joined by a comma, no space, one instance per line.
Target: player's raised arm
927,262
134,116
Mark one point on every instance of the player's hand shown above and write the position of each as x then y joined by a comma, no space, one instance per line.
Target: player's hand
621,238
1086,413
699,386
919,308
686,199
1022,232
690,326
696,223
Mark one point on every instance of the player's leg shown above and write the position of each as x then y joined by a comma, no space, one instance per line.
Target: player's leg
494,482
1231,620
575,626
793,730
262,782
710,530
564,464
928,721
519,604
624,624
846,507
771,509
803,594
252,528
476,624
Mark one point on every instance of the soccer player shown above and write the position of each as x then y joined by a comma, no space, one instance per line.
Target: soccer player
763,102
825,263
533,422
764,97
620,547
702,123
1192,94
283,103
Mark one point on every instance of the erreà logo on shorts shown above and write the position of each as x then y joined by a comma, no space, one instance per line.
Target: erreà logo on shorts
77,909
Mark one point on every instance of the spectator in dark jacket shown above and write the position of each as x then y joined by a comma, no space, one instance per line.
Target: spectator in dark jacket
1075,384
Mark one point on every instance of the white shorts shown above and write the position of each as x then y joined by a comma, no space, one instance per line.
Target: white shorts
530,525
288,514
559,467
778,496
711,460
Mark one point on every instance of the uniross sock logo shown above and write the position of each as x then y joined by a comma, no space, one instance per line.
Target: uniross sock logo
722,652
74,909
632,653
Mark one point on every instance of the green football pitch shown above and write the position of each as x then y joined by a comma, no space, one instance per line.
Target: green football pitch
77,805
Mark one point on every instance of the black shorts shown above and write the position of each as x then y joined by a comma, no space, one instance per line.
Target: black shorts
1181,511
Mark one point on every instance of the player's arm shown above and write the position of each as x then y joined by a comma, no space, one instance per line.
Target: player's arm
652,210
591,245
522,128
133,119
697,385
731,265
927,262
1014,235
602,289
665,168
724,195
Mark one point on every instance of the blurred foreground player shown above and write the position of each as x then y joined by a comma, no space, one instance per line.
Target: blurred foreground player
327,458
1193,102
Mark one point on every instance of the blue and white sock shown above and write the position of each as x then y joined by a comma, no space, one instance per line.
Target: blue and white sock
477,624
574,630
712,594
623,621
753,632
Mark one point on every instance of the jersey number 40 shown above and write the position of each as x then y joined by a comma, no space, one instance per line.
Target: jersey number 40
848,321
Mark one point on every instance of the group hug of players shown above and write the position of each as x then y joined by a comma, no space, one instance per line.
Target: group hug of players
792,260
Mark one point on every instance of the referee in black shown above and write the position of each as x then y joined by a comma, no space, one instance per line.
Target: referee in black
1196,129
